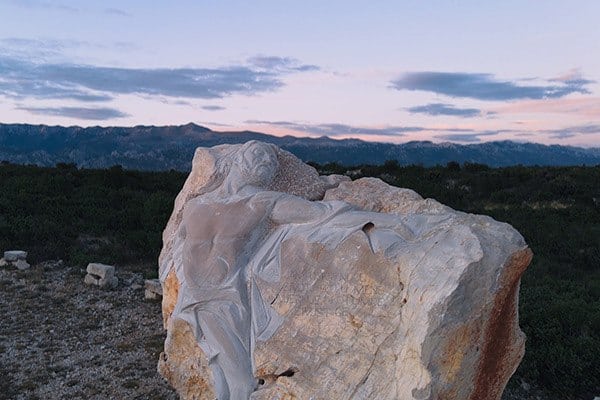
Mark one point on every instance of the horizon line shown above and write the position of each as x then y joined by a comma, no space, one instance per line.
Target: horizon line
308,136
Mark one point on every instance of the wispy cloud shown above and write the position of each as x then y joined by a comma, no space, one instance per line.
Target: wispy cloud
449,133
169,100
468,137
48,5
280,64
51,50
572,131
118,12
211,107
562,133
583,106
444,109
19,90
37,49
53,44
482,86
104,113
573,76
62,7
21,78
219,124
336,129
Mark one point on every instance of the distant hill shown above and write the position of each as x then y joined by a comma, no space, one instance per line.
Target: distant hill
172,147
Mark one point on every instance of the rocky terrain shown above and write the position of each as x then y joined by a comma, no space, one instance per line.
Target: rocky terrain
62,339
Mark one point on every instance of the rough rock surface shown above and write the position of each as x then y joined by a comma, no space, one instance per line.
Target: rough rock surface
14,255
21,264
101,275
370,293
152,289
100,270
15,258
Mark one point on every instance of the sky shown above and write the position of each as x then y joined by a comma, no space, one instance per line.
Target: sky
391,71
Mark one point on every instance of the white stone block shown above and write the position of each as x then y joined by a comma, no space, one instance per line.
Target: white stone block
101,270
14,255
90,280
150,295
154,286
21,264
105,283
108,282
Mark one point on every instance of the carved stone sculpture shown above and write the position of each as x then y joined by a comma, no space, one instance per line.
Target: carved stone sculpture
372,293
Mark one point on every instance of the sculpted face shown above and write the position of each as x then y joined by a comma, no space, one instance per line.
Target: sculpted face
258,163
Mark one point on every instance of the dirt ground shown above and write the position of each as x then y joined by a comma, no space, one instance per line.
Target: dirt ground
61,339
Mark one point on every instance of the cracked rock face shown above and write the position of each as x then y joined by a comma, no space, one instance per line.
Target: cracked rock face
280,284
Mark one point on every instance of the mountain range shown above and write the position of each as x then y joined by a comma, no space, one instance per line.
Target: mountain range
172,147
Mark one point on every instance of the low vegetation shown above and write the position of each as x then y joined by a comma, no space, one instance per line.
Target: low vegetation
117,216
79,215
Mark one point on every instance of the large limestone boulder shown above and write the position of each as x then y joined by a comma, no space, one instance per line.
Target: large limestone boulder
280,284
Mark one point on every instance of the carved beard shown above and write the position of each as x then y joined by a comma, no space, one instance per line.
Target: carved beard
258,170
260,175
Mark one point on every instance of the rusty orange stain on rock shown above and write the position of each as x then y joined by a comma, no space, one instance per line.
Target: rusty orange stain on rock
502,333
170,293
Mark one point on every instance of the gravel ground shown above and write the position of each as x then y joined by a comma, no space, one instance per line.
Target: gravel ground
61,339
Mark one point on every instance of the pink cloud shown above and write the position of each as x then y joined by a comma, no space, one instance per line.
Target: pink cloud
570,75
581,106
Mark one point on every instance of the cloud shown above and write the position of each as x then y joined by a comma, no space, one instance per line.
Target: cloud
583,106
335,129
39,49
562,133
573,76
468,137
181,103
219,124
449,133
572,131
76,112
118,12
484,86
212,108
48,5
20,78
47,50
281,64
125,46
40,43
445,109
170,101
20,90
